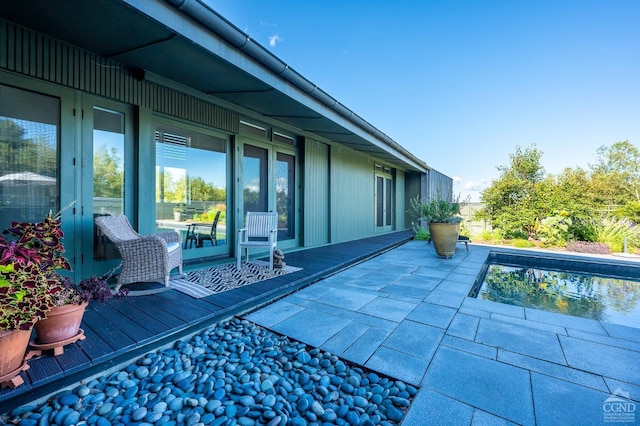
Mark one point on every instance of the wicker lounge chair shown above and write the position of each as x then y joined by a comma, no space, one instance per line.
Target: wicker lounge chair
145,258
261,230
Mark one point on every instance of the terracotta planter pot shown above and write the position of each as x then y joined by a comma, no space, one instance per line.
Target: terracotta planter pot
444,237
13,345
62,323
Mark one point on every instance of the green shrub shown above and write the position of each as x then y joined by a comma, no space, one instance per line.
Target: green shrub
630,210
485,235
614,231
553,231
497,236
522,243
421,234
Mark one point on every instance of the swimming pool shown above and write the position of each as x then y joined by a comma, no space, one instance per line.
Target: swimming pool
592,288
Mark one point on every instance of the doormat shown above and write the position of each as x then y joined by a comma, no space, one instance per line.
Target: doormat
208,281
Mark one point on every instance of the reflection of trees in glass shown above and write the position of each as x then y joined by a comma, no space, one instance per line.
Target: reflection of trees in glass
573,294
251,200
282,203
108,173
204,191
21,154
174,189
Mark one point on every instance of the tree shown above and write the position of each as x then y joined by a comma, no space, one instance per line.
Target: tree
108,172
618,172
515,202
21,154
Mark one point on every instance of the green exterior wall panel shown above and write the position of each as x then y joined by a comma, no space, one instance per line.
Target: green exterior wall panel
400,207
352,189
316,193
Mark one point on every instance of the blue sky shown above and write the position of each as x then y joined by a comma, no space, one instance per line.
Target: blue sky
460,84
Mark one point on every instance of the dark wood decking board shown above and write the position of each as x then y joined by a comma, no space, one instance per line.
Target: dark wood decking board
124,329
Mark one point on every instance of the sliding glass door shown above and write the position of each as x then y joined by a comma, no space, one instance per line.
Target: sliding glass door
269,184
191,188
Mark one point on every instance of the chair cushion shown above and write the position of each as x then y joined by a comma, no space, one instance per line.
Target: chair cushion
171,247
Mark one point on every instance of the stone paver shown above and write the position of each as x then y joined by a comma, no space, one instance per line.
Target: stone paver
602,359
406,314
435,315
400,365
558,402
522,340
432,408
492,386
390,309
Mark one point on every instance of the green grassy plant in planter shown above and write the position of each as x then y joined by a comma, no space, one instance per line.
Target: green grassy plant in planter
443,218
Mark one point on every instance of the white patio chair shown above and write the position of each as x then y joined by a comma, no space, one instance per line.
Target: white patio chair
145,258
260,231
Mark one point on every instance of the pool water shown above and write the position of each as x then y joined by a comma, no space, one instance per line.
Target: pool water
613,297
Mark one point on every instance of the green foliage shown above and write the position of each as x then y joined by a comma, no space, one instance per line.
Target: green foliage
109,171
522,199
631,211
495,236
514,202
485,235
614,231
547,290
421,234
553,231
19,153
618,168
29,281
436,210
521,243
210,214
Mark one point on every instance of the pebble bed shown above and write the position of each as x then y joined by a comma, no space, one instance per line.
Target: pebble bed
235,373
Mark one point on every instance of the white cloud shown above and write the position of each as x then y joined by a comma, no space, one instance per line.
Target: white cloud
274,39
456,179
474,186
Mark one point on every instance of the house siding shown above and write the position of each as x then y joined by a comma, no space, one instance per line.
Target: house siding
337,194
28,53
352,195
316,193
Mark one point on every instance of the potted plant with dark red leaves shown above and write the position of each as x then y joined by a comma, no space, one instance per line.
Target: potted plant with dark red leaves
62,324
58,322
28,287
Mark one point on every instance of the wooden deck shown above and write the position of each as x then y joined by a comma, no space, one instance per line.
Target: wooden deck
121,330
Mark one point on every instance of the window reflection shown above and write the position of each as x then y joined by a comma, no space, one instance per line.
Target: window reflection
191,186
28,156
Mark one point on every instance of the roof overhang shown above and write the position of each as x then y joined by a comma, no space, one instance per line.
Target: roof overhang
188,42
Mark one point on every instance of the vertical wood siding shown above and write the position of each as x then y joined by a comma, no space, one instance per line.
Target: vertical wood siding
437,185
316,193
400,206
29,53
352,195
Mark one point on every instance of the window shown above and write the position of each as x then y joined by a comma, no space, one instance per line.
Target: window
191,180
285,195
29,143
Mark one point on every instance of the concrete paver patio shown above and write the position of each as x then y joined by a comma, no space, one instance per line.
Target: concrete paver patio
406,314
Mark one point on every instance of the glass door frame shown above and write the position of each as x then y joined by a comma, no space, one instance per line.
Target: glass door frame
273,148
67,136
386,198
85,203
206,251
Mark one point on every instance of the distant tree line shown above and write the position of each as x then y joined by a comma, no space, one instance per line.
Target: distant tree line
600,204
